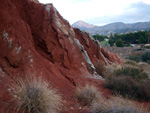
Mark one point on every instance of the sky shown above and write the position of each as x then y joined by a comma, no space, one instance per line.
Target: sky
102,12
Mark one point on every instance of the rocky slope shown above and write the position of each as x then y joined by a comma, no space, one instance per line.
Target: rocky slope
35,40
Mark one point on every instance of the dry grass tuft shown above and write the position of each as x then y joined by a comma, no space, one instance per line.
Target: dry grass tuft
87,94
102,70
131,63
90,96
111,68
116,105
34,95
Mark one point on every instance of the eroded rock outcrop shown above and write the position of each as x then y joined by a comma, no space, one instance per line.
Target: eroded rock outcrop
94,50
36,40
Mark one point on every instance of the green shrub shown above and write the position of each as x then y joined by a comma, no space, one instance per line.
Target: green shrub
122,85
136,58
133,72
128,87
148,61
35,96
145,57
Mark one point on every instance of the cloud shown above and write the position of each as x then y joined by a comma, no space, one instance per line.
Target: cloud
102,11
137,12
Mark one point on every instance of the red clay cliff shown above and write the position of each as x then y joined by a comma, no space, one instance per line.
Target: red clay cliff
36,40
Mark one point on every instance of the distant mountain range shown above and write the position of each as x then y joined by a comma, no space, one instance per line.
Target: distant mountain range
118,27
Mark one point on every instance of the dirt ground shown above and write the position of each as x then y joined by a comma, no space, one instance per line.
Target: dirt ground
124,52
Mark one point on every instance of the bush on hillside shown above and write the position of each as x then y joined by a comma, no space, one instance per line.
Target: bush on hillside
136,58
131,63
128,87
35,96
87,94
145,57
101,69
117,105
135,73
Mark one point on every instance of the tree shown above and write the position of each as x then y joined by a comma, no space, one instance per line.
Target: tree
111,42
148,37
119,43
99,37
141,40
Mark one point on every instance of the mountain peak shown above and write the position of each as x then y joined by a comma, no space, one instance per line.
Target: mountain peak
82,24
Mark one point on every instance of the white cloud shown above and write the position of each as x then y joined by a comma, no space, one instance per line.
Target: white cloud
74,10
145,1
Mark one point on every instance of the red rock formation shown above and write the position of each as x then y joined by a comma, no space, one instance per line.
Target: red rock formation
94,50
36,40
